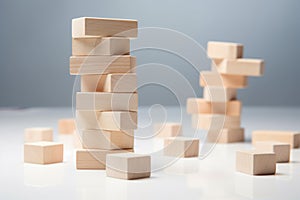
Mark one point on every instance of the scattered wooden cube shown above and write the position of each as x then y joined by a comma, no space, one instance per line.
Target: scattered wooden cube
231,135
256,162
181,147
43,152
281,150
38,134
66,126
208,78
128,166
167,129
219,94
220,50
215,121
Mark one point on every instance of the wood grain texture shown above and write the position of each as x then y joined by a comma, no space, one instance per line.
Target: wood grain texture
222,50
219,94
208,78
215,121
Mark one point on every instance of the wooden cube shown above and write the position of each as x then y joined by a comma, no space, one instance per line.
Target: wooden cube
208,78
225,50
128,166
215,121
66,126
103,27
181,147
167,129
256,162
43,152
100,46
38,134
281,150
219,94
201,106
226,135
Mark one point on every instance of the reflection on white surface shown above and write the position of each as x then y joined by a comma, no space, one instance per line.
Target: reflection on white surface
183,166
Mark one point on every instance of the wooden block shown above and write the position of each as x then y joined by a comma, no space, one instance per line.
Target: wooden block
105,101
100,46
104,27
201,106
101,139
256,162
181,147
208,78
43,152
82,65
38,134
92,82
219,94
66,126
167,129
94,158
224,50
128,166
281,150
226,135
215,121
290,137
114,121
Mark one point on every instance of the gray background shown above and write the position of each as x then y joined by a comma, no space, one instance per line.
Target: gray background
35,44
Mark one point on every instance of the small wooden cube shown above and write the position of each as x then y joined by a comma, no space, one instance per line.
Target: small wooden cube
128,166
167,129
43,152
222,50
231,135
219,94
208,78
256,162
215,121
181,147
66,126
281,150
38,134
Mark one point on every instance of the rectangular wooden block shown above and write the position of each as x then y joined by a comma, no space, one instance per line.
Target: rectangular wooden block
37,134
167,129
215,121
82,65
281,150
100,46
105,101
128,166
66,126
201,106
290,137
181,147
208,78
101,139
256,162
219,94
103,27
225,135
224,50
43,152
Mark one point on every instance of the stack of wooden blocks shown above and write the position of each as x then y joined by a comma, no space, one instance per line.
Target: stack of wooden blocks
219,111
106,107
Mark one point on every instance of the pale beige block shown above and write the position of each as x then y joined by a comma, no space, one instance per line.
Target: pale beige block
290,137
100,46
226,135
92,82
37,134
181,147
281,150
104,27
128,166
66,126
167,129
224,50
101,139
215,121
256,162
120,83
43,152
201,106
105,101
219,94
208,78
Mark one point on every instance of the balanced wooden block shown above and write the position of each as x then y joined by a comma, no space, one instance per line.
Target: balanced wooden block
66,126
281,150
224,50
181,147
92,82
215,121
256,162
219,94
94,158
38,134
128,166
43,152
167,129
208,78
105,101
226,135
290,137
201,106
100,46
101,139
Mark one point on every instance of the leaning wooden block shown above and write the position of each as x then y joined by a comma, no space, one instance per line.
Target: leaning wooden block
43,152
290,137
208,78
281,150
104,27
215,121
231,135
167,129
256,162
181,147
219,94
224,50
66,126
38,134
128,166
100,46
